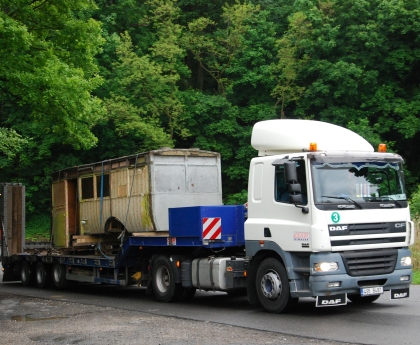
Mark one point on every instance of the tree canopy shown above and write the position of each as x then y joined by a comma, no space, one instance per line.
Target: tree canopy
84,80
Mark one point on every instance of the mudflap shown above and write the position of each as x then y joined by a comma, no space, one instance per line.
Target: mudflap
400,293
332,300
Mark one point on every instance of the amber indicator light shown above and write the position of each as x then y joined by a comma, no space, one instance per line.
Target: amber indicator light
382,148
313,147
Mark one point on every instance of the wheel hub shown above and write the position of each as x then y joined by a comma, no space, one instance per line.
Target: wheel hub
162,279
271,285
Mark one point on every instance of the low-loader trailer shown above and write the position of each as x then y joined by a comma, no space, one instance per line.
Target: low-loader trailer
326,217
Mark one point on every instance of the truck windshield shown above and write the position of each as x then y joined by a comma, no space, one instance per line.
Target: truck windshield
357,182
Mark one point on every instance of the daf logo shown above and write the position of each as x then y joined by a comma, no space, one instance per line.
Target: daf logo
331,301
399,225
400,295
338,228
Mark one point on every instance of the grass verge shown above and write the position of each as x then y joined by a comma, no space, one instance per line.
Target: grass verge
416,278
415,252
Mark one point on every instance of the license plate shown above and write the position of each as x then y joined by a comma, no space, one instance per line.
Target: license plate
371,291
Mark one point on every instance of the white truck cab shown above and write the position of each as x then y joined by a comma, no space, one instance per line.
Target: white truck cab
328,211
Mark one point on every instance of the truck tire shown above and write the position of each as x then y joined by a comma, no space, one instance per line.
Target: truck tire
273,288
163,281
26,274
59,275
357,299
42,275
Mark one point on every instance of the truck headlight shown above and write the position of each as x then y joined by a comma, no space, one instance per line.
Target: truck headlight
326,266
406,261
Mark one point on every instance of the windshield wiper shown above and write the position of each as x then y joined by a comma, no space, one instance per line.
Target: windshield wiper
384,198
344,198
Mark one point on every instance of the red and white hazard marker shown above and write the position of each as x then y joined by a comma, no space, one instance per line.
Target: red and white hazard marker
212,228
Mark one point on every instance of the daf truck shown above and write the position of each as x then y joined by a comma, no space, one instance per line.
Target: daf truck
327,217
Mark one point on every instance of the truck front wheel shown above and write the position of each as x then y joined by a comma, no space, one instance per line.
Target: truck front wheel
163,281
272,285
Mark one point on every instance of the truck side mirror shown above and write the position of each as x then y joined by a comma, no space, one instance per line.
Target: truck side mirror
294,188
290,172
295,199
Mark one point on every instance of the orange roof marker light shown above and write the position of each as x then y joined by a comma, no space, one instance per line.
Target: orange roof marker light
382,148
313,147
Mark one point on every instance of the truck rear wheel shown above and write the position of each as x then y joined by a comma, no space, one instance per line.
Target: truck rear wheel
42,275
363,300
59,275
272,285
163,281
26,274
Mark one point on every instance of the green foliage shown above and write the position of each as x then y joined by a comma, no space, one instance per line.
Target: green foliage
369,132
415,252
216,49
48,68
47,76
11,143
237,198
363,59
416,278
415,203
38,228
146,98
291,60
81,82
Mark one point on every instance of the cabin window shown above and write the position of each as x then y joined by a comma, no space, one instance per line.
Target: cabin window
105,185
87,188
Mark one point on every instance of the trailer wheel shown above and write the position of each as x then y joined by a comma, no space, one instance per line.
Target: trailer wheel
273,288
42,275
26,274
163,281
59,275
357,299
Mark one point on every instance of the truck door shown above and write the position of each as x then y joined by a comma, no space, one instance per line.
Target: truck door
292,226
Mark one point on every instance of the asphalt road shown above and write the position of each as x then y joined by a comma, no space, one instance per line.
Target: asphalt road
382,322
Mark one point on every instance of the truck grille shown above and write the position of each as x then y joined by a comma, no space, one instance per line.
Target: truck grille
372,262
369,241
374,228
367,229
